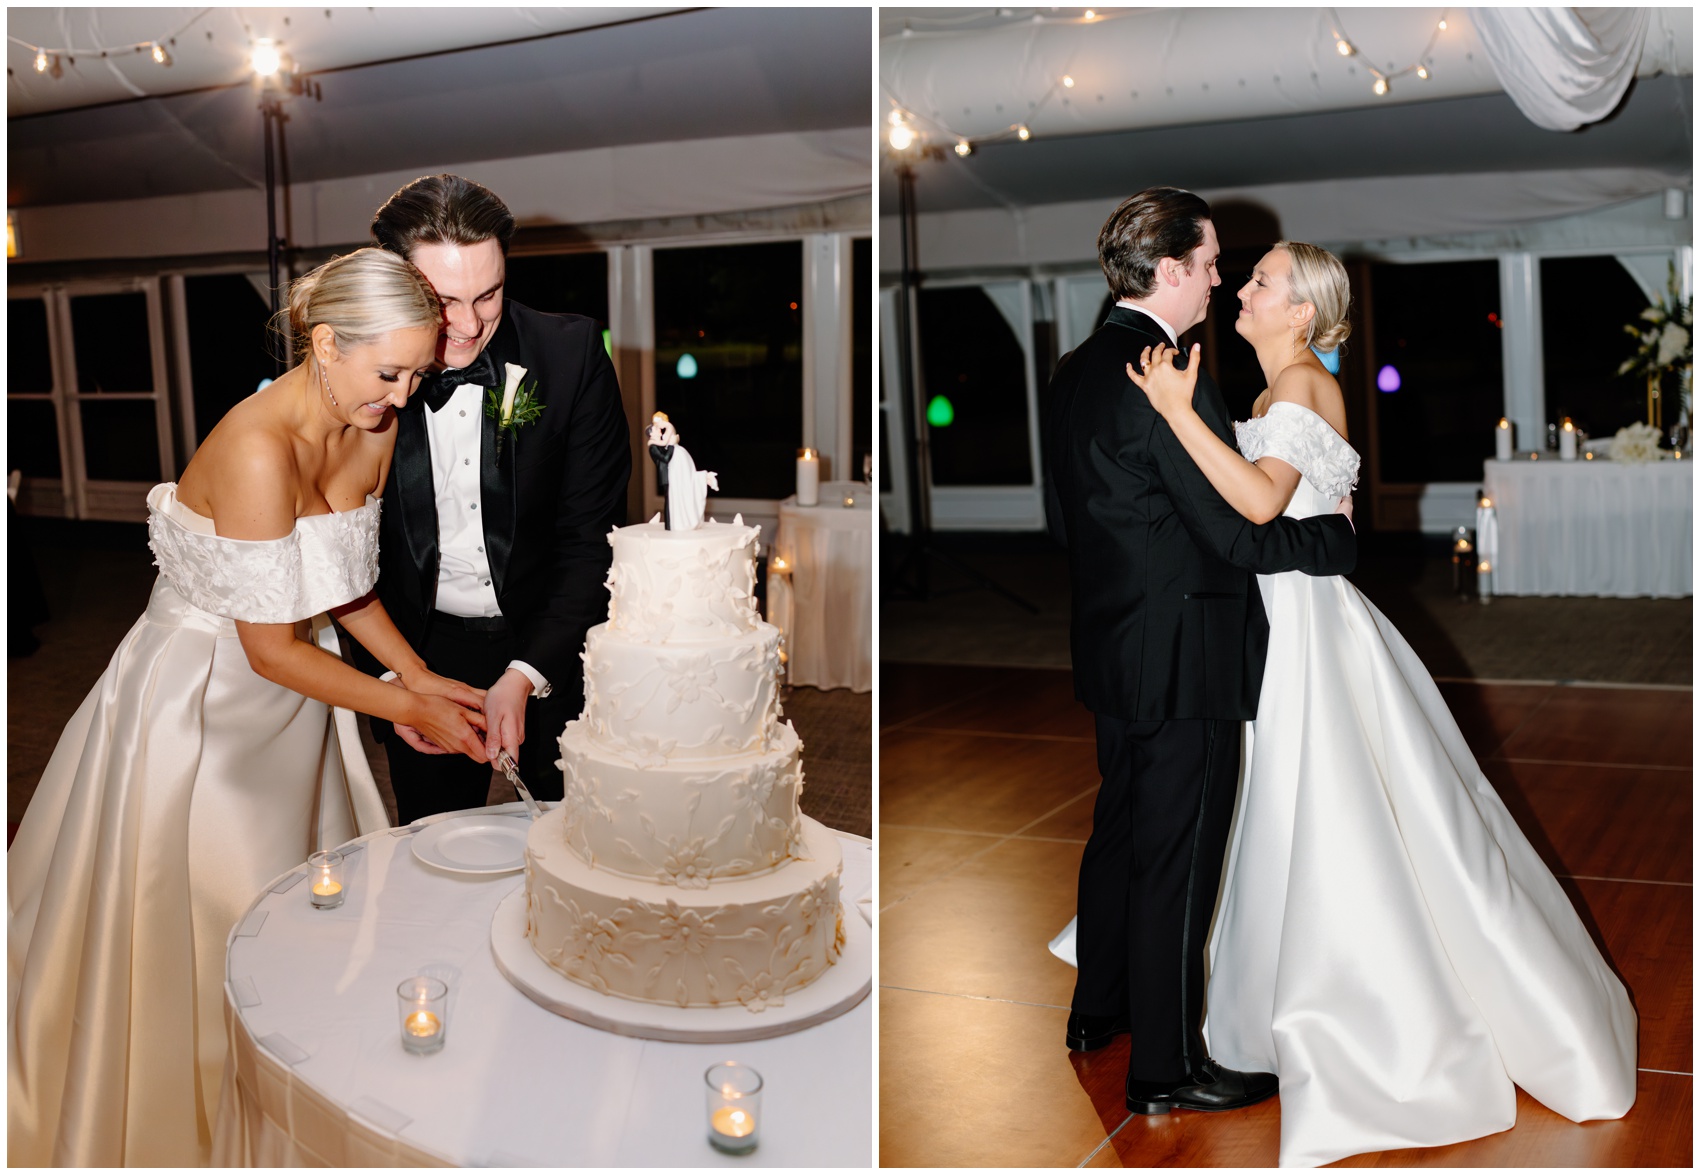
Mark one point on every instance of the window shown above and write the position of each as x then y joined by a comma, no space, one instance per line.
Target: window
861,354
974,382
729,361
32,443
1438,369
561,283
113,346
1585,304
231,344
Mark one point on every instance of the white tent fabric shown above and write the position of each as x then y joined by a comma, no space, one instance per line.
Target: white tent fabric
1564,67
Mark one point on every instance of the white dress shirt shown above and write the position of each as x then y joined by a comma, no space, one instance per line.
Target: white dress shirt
1174,339
464,586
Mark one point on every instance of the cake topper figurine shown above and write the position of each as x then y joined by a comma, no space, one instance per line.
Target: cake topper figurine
684,488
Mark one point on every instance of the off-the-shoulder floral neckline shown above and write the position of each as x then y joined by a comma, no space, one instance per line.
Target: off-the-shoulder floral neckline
169,505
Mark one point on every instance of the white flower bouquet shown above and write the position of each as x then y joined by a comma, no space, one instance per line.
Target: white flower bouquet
1638,442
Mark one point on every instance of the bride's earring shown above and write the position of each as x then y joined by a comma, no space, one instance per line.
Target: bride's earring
325,378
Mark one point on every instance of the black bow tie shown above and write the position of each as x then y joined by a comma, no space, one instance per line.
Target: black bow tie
439,386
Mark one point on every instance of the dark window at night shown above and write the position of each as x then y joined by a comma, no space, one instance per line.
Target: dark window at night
729,361
120,440
974,384
29,360
861,354
1585,304
231,347
1437,347
111,341
562,283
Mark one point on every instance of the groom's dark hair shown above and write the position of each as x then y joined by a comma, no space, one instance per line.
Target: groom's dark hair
442,210
1144,229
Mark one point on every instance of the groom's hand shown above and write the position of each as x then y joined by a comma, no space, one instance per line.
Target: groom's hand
504,709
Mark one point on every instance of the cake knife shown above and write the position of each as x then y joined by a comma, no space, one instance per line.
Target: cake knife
512,772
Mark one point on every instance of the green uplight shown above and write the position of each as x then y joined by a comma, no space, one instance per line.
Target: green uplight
939,412
608,342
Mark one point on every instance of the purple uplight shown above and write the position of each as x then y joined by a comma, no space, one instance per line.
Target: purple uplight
1387,379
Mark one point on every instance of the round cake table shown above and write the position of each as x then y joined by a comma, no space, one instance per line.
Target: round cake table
823,599
321,1076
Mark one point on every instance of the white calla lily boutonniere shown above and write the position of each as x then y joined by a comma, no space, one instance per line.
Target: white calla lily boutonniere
517,406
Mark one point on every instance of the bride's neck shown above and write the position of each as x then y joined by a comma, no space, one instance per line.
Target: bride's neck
1275,356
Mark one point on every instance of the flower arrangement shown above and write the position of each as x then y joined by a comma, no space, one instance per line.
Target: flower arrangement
1665,335
1636,443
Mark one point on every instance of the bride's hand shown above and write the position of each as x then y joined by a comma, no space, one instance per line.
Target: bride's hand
1167,386
444,728
423,681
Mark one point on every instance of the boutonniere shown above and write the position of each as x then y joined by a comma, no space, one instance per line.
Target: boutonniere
516,407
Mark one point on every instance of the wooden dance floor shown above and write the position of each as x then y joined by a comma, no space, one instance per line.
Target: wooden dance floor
987,777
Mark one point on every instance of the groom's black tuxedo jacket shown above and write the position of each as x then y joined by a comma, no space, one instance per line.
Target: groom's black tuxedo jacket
1168,621
548,500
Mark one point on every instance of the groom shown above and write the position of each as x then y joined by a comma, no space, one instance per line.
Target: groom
493,546
1168,643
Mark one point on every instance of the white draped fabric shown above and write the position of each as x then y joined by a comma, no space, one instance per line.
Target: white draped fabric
1564,67
1592,528
824,605
184,783
318,1075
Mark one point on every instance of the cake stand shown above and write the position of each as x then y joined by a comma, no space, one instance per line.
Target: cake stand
842,987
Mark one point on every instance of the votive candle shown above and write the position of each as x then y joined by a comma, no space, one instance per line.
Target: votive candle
424,1014
324,880
734,1107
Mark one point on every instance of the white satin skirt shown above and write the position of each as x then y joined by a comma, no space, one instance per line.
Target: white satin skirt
1388,942
184,783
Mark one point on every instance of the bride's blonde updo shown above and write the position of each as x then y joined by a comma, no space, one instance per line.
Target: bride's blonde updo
362,296
1318,277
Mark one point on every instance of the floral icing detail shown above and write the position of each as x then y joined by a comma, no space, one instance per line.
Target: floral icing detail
325,561
1305,441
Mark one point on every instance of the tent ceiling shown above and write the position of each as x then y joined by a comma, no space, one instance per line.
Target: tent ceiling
1221,97
680,75
1652,129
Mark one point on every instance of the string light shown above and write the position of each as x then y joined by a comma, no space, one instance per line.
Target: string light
901,137
1343,47
1383,84
1068,81
1090,15
52,60
1022,133
1381,87
1422,72
1442,25
895,118
964,148
41,61
160,55
265,58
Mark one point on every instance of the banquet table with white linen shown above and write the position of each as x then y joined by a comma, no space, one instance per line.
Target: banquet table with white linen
322,1078
824,602
1592,528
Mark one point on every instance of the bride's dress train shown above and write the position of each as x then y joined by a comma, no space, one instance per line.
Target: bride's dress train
1388,942
183,784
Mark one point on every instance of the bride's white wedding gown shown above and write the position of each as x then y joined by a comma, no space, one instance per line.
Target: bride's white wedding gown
1387,941
183,784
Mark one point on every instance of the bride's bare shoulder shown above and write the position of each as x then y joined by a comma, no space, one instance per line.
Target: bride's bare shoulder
1310,386
247,455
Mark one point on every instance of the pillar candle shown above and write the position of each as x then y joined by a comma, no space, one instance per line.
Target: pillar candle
1502,440
808,478
1567,441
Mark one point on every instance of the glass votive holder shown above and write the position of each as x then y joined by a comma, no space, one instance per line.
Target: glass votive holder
324,880
424,1014
734,1107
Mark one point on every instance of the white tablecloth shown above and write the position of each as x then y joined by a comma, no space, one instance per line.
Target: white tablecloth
322,1078
825,605
1592,528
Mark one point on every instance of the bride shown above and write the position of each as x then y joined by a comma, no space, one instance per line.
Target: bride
205,761
1387,942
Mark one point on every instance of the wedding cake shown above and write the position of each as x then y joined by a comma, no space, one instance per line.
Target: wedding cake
678,869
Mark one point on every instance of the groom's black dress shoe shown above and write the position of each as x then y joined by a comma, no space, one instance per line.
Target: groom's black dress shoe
1086,1033
1213,1087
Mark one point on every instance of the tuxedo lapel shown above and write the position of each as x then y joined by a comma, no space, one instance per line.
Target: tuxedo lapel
498,461
418,493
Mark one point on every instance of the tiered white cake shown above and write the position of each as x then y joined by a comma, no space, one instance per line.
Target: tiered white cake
678,869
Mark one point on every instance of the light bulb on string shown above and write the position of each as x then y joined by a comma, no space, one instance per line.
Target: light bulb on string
1380,87
901,137
265,58
964,148
1068,81
895,118
1343,47
1090,15
55,70
160,54
1422,72
41,61
1022,133
1442,25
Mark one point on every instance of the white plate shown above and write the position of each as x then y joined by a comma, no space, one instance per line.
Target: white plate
474,844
